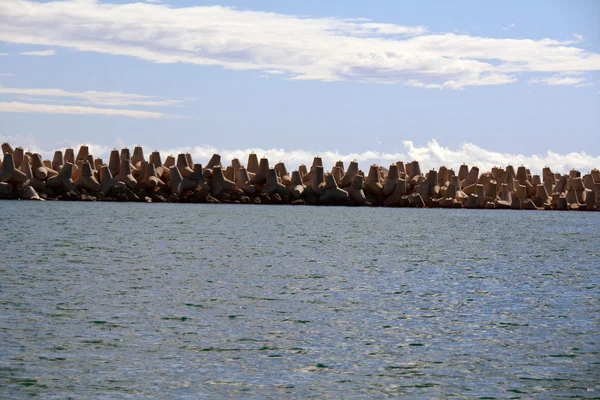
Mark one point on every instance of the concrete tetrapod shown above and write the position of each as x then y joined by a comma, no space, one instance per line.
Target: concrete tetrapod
348,177
125,175
337,174
297,185
82,154
454,190
90,159
372,184
37,184
480,195
29,193
312,174
505,199
273,186
141,178
219,184
58,161
242,181
541,196
463,171
70,156
263,171
107,182
332,194
184,168
471,177
18,156
398,197
523,180
87,180
283,173
38,168
199,171
433,188
6,190
215,161
176,182
355,191
7,148
114,162
9,173
138,155
443,179
472,201
151,180
391,180
252,163
63,181
229,173
303,171
317,183
169,161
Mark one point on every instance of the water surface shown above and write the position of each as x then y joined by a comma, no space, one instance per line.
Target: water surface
118,300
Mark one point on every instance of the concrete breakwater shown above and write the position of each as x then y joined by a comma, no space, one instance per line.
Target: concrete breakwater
133,177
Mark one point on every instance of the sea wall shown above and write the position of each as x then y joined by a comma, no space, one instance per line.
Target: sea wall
134,177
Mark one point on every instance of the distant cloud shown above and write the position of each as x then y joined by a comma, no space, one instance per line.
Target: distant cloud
153,1
578,37
94,97
42,53
6,74
18,107
511,26
304,48
558,80
4,54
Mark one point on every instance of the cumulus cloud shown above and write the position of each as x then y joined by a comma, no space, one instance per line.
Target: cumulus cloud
510,26
93,97
41,53
430,155
578,37
303,48
19,107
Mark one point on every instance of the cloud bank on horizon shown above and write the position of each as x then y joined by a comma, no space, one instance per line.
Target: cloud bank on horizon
294,47
432,155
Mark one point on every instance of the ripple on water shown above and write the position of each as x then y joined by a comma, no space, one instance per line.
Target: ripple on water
129,300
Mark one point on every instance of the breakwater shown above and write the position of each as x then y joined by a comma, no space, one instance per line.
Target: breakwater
133,177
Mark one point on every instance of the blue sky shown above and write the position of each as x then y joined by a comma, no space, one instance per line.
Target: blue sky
504,78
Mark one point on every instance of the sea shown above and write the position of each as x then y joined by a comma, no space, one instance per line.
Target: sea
193,301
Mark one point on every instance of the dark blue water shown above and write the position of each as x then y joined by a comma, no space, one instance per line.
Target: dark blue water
105,300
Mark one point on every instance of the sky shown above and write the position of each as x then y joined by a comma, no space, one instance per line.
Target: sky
443,82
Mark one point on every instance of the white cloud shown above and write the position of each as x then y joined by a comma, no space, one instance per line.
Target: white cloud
6,74
19,107
41,53
4,54
304,48
558,80
578,37
511,26
93,97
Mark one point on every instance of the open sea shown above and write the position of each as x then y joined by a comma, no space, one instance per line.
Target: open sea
171,301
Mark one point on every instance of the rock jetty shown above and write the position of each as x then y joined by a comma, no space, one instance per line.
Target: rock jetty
178,179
